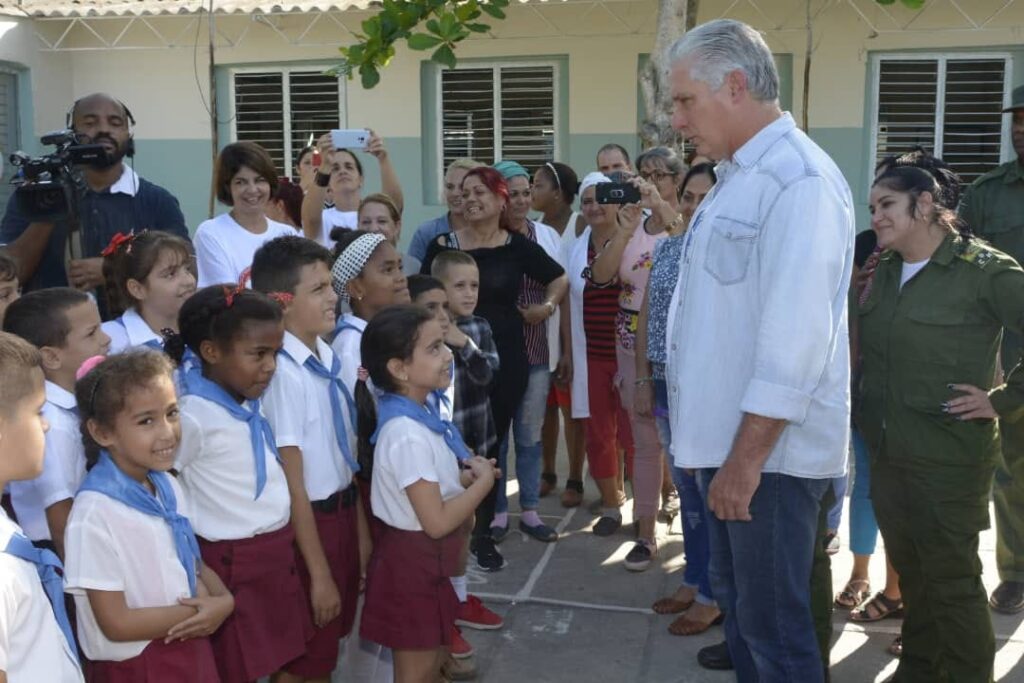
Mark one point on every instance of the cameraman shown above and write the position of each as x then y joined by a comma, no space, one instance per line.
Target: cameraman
116,200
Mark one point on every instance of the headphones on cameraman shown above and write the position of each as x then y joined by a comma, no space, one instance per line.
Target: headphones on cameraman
129,150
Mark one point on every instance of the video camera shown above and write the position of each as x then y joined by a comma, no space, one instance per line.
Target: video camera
49,187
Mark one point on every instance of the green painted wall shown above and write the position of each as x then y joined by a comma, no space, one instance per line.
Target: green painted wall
184,167
849,148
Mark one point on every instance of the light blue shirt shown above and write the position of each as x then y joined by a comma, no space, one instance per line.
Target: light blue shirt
760,309
425,233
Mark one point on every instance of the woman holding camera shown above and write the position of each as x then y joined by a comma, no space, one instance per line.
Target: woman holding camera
627,261
344,177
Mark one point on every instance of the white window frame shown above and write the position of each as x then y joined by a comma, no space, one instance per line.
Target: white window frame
1006,148
495,66
285,71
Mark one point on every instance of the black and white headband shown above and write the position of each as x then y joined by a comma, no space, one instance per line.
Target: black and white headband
352,261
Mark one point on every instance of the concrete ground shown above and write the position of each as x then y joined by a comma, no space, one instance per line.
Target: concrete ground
573,613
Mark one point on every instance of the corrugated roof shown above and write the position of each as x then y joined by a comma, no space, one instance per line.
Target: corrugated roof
129,8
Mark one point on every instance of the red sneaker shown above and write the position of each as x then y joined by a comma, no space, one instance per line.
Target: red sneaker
473,614
461,649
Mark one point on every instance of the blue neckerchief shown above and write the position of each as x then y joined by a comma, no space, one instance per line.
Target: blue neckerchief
342,325
337,390
107,478
47,563
260,433
154,344
393,405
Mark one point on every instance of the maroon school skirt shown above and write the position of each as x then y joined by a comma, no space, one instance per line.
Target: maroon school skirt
271,622
410,603
184,660
339,537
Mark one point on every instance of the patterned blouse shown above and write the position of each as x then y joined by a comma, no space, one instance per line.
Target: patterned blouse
661,284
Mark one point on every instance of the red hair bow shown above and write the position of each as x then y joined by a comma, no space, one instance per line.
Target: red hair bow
116,241
230,293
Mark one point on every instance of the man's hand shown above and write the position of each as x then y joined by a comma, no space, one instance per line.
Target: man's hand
86,274
731,490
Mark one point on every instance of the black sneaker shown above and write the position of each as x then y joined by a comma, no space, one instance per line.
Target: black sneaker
639,558
487,556
606,526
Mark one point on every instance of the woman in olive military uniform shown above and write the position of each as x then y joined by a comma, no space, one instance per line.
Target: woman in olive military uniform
929,332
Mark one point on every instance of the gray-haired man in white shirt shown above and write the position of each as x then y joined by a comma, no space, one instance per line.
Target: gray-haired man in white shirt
758,362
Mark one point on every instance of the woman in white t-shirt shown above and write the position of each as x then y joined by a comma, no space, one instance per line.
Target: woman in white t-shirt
245,179
344,178
421,498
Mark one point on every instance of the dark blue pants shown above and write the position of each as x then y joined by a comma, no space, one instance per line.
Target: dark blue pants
761,576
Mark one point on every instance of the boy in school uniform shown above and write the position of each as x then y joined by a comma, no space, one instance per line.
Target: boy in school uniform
64,324
312,415
36,643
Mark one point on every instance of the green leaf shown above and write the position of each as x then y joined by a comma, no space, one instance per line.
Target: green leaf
371,27
493,11
449,25
478,28
433,26
444,56
913,4
422,41
499,3
370,76
886,2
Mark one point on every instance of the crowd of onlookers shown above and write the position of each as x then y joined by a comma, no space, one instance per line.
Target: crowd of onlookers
709,349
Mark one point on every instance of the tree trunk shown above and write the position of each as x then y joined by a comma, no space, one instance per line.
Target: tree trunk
675,17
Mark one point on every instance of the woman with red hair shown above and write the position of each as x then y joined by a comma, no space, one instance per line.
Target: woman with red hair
503,258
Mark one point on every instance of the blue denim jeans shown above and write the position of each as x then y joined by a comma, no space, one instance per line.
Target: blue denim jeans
835,513
764,566
526,431
695,528
863,526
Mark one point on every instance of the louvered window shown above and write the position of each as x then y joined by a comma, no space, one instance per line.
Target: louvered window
283,109
499,112
948,105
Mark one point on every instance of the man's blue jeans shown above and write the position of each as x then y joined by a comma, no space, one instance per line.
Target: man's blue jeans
526,431
761,577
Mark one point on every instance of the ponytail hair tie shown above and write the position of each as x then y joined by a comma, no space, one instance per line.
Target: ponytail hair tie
230,293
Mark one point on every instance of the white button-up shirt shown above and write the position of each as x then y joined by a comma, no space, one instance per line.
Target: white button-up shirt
758,319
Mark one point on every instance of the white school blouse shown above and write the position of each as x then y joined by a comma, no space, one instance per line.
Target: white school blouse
224,248
346,345
217,471
32,646
298,406
63,465
129,331
407,452
113,547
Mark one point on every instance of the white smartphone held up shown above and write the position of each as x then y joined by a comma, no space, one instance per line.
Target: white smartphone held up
355,138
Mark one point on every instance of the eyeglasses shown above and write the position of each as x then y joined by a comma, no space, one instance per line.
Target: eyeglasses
656,176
